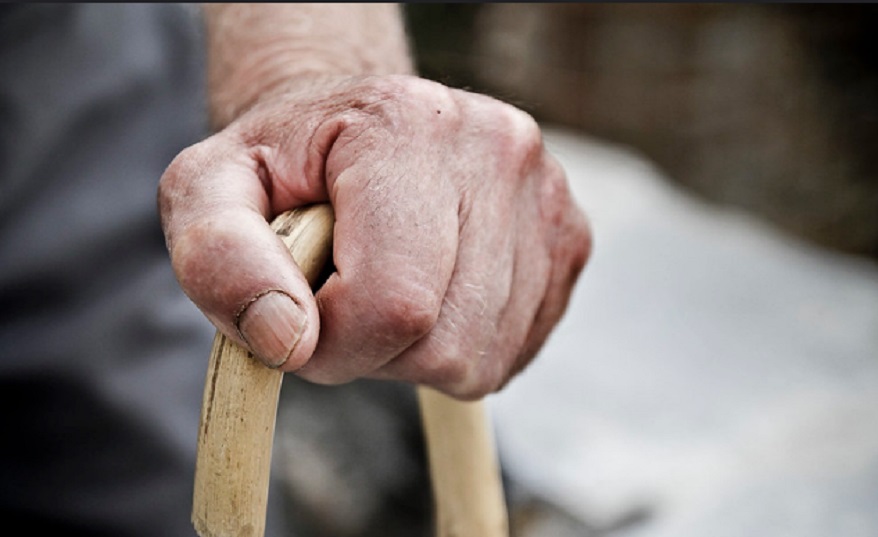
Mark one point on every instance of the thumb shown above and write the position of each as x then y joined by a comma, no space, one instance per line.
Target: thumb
227,258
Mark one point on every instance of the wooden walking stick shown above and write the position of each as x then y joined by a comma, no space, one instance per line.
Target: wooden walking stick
467,489
239,410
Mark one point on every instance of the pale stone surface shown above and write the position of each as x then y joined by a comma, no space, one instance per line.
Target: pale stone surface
713,376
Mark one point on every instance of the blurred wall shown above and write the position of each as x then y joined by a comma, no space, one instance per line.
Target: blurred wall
773,108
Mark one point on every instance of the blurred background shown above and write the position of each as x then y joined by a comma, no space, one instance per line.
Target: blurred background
715,375
766,107
717,370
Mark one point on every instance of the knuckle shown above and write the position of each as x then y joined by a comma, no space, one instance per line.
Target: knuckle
525,126
184,164
176,182
458,372
470,387
325,376
170,181
521,133
575,238
581,244
582,235
409,311
482,386
449,370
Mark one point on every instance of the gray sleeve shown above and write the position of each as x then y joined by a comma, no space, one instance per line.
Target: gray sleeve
103,358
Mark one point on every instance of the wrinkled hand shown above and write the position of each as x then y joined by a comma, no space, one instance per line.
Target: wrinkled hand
457,242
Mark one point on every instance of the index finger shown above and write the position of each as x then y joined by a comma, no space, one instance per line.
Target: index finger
214,208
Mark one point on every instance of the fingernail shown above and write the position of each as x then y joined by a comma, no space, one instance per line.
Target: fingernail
272,326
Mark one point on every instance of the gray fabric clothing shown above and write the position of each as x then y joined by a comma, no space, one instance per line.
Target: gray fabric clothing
102,358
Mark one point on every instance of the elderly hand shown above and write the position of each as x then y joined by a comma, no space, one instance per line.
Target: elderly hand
456,246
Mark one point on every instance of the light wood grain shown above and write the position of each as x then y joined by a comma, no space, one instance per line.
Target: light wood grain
467,489
239,408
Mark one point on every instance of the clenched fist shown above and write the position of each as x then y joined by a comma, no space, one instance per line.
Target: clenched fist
456,246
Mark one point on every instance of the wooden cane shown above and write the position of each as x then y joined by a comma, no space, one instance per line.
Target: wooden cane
239,410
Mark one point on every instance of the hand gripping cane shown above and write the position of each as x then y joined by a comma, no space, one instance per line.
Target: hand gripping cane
239,409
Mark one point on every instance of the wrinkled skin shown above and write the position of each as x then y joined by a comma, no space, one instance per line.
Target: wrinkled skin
457,243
